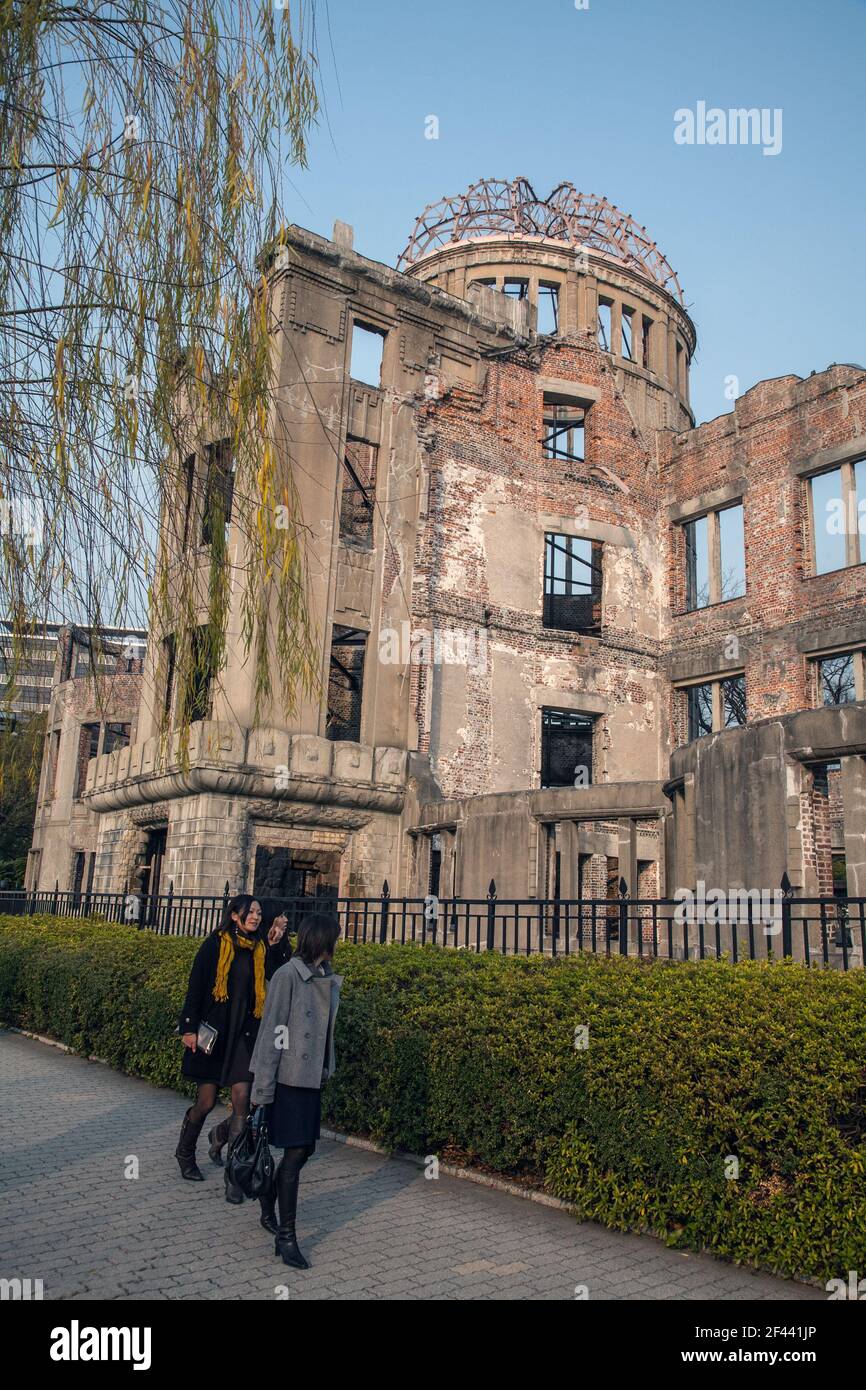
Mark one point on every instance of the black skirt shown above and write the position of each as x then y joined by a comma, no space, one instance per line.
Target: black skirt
294,1116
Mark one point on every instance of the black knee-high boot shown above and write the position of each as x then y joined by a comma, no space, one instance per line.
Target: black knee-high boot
185,1151
288,1181
237,1125
217,1140
268,1218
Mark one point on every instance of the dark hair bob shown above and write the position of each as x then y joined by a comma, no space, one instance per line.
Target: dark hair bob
318,934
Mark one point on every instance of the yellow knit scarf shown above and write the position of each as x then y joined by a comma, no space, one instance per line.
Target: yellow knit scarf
224,965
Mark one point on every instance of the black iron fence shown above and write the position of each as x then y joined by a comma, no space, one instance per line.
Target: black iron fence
828,931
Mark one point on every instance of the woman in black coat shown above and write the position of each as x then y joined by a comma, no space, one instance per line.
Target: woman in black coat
226,992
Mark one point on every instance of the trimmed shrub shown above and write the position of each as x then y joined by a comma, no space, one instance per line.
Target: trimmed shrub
718,1106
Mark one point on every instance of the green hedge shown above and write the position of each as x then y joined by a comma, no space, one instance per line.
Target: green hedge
688,1066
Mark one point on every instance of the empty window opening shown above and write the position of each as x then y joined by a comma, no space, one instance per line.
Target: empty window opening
116,736
358,499
566,748
697,563
368,348
219,492
435,875
604,311
681,370
197,697
700,698
170,655
88,747
53,762
346,684
733,692
715,557
548,308
188,495
838,500
836,679
516,289
34,860
627,334
79,862
716,705
489,283
839,868
572,583
646,342
564,433
732,553
831,551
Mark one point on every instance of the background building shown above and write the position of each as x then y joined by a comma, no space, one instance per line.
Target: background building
93,710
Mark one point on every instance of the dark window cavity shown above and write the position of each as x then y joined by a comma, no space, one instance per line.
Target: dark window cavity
218,493
116,736
88,747
646,342
566,748
198,691
188,495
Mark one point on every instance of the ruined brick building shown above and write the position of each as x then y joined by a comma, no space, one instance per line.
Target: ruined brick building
566,636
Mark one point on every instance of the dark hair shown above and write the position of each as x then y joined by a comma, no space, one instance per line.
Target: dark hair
318,934
241,905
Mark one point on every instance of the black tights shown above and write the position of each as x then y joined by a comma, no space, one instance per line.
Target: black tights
206,1099
293,1161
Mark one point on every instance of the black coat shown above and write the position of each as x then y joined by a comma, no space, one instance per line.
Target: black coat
200,1006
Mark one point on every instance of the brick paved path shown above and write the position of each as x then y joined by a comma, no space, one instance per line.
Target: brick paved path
372,1227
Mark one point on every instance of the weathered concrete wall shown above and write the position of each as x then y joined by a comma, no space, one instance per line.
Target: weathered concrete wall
751,812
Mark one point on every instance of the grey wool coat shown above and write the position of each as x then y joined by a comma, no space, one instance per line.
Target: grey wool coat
295,1044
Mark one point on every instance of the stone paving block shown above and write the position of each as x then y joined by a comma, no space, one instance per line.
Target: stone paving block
372,1227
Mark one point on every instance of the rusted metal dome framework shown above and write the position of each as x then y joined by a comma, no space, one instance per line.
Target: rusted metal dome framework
494,207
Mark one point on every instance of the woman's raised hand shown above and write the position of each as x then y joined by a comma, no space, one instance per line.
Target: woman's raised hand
278,929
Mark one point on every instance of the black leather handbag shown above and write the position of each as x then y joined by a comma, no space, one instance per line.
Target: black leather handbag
250,1163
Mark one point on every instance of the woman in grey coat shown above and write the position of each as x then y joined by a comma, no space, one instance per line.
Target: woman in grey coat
293,1057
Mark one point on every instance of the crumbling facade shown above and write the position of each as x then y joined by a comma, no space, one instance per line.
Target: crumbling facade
567,637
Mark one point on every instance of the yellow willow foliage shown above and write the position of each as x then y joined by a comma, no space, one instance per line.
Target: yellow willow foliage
135,207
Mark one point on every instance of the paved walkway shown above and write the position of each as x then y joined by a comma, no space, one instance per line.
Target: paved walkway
372,1227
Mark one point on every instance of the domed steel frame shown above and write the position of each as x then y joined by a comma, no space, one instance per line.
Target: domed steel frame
494,207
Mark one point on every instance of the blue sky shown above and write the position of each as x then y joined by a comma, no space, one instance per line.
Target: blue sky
769,249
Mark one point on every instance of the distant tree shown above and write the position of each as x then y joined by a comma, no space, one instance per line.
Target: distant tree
20,763
143,145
